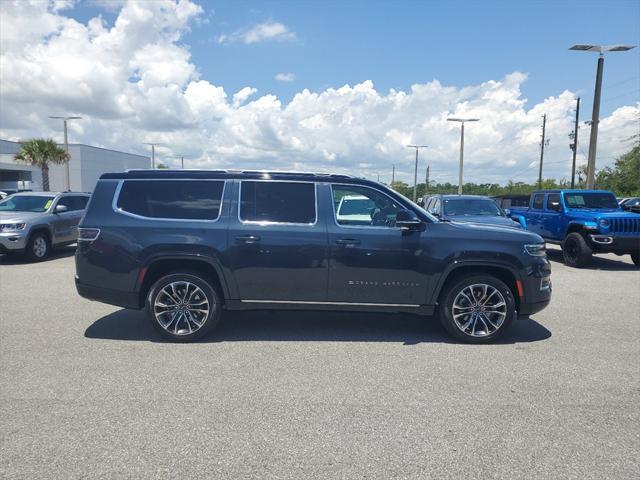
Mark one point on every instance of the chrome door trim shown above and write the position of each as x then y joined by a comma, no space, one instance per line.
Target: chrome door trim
303,302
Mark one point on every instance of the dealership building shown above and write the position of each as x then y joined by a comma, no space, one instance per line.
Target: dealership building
86,165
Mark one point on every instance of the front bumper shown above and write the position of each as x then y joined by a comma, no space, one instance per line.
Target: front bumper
614,244
13,241
536,287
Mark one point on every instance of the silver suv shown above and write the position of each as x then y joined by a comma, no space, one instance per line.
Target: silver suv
32,223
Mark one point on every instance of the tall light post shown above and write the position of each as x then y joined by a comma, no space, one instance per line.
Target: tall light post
595,116
462,122
67,178
415,172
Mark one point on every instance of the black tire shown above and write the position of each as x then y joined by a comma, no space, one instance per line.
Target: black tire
178,329
38,247
635,258
454,290
576,251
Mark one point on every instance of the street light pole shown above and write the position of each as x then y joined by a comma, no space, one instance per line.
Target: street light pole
462,122
595,116
415,172
67,177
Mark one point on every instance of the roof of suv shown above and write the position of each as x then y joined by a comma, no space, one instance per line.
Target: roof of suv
230,174
454,195
48,194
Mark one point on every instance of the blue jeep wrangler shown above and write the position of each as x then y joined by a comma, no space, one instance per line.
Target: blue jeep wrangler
583,222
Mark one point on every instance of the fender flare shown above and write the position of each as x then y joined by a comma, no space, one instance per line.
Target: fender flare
451,269
211,261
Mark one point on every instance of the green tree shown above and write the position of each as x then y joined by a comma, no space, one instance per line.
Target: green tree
40,152
624,177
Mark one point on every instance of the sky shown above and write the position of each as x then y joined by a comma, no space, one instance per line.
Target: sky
333,86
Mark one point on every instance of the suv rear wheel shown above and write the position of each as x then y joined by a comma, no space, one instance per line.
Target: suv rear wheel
38,247
477,309
183,307
576,251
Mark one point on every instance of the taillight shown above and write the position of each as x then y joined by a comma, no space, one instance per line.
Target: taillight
88,234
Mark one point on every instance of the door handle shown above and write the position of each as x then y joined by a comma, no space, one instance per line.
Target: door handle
348,242
248,238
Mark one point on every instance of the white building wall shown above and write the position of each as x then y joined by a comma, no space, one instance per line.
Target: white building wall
96,161
86,165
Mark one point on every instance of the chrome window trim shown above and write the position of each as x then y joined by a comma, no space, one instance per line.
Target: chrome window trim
116,196
335,218
304,302
267,223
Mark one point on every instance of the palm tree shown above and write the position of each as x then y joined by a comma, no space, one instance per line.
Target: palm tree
40,152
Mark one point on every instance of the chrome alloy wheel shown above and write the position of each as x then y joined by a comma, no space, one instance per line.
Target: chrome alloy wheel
479,310
181,308
40,247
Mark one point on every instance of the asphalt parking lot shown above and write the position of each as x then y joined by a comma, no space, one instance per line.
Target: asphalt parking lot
89,390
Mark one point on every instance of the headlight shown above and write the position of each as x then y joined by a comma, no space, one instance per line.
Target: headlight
603,222
536,249
12,227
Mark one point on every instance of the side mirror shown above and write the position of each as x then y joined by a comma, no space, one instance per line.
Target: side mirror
60,209
408,220
507,211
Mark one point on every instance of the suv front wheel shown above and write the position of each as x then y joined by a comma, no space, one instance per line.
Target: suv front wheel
477,309
38,247
183,307
576,251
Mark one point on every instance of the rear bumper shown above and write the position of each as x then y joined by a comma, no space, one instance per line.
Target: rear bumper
112,297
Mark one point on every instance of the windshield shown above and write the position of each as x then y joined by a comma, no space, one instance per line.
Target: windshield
26,203
471,207
359,206
590,200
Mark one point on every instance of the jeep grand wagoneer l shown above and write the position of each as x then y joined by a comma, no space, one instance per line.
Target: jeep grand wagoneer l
186,245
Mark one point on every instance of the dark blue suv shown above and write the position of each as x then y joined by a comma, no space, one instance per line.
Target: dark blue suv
186,245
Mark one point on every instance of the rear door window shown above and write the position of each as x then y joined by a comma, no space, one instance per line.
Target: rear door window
278,202
172,199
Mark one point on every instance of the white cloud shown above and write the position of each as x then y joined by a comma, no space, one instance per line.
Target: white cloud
134,82
285,77
262,32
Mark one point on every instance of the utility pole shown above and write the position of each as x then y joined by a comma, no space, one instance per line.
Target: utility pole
595,116
544,126
574,145
67,179
393,174
415,172
153,153
462,122
378,178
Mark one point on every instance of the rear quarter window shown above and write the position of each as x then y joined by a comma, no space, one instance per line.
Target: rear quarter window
172,199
